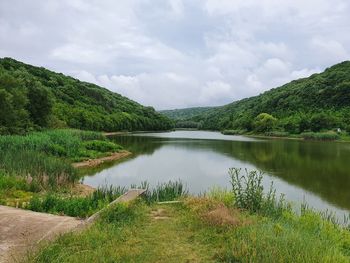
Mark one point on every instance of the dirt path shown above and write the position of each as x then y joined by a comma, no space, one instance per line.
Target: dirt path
21,230
164,237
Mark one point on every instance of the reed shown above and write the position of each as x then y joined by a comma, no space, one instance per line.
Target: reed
321,136
75,206
169,191
44,158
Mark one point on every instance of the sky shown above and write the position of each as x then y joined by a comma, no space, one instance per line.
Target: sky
178,53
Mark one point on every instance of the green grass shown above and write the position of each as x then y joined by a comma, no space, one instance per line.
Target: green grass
278,134
245,224
132,233
169,191
233,132
82,207
44,158
321,136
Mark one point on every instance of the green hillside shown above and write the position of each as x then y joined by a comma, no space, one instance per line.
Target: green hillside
319,102
32,98
182,117
184,114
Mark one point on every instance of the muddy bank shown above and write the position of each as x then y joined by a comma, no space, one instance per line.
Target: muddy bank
98,161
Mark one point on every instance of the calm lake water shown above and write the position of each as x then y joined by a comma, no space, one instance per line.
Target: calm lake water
317,172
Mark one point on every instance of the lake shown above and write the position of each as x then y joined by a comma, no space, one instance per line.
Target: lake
317,172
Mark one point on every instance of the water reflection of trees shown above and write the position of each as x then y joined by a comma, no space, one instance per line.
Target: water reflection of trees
321,168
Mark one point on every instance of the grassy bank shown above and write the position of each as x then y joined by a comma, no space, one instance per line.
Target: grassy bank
44,158
244,224
310,136
42,161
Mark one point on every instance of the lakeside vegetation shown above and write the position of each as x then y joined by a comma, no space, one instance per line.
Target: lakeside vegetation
34,98
42,161
76,206
313,136
319,103
245,224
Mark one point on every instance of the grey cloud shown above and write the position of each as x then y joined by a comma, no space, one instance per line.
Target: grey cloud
176,53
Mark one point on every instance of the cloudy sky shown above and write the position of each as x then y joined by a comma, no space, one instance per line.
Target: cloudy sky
178,53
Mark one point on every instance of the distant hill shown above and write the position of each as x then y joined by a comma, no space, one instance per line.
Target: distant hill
34,97
319,102
184,114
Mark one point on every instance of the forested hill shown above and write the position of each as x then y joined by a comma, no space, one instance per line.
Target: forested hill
182,117
319,102
184,114
34,98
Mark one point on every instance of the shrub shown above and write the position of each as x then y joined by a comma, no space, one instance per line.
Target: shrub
264,122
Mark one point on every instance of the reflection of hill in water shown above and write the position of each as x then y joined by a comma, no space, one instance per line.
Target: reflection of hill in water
321,168
135,144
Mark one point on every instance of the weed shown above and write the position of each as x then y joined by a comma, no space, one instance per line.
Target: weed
249,193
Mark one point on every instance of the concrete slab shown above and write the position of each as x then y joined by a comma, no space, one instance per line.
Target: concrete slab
127,197
22,230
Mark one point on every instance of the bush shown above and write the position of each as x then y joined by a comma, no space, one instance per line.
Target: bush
264,122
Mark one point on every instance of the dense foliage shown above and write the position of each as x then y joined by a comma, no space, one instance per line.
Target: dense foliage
33,98
319,102
183,114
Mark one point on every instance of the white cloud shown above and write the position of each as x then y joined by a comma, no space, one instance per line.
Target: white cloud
175,53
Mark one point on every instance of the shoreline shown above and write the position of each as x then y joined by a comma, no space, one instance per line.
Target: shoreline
297,137
98,161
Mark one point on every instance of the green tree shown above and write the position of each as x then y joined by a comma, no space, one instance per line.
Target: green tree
264,122
14,118
322,121
40,104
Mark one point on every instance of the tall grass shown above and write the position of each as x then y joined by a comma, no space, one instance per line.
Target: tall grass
277,134
76,206
169,191
233,132
250,195
321,136
44,157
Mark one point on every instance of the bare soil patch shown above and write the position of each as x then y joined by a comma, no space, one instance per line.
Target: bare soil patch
222,216
159,214
82,190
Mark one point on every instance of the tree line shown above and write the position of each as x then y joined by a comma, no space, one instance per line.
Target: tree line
33,98
319,102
